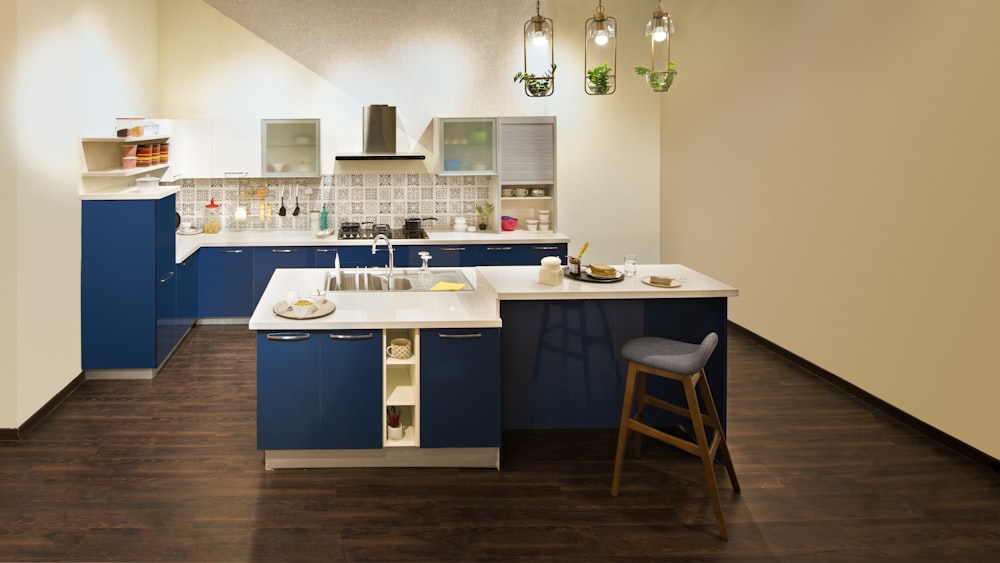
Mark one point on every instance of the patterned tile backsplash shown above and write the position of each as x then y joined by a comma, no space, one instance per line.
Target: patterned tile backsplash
379,198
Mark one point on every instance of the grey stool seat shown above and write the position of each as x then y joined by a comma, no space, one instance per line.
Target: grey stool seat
683,362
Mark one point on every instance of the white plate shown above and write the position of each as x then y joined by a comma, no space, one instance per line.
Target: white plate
648,281
189,231
283,309
595,276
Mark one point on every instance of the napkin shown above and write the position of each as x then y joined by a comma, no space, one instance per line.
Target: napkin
447,286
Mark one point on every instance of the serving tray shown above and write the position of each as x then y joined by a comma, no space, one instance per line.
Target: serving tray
284,310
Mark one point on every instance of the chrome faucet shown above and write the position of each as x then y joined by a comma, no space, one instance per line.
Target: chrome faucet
388,244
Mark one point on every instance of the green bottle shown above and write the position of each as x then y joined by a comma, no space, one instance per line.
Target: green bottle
322,219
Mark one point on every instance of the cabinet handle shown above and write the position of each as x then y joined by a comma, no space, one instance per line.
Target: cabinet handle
284,250
288,336
452,248
166,278
232,251
326,250
468,335
498,248
368,336
545,248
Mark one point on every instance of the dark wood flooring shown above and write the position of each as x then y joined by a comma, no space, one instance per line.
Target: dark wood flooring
167,470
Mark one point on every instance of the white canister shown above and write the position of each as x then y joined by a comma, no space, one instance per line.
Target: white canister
314,220
551,272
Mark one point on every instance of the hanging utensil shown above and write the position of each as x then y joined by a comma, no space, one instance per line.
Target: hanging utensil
295,213
281,210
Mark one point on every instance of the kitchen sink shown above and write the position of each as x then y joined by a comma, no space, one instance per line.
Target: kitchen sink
402,280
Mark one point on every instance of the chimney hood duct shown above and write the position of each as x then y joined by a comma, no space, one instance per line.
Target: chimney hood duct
379,131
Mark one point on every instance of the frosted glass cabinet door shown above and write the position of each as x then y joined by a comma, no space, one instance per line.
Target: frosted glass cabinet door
290,148
466,146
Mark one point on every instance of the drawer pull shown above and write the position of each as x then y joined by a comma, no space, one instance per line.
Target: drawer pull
467,335
288,336
232,251
545,248
284,250
368,336
498,248
166,278
452,248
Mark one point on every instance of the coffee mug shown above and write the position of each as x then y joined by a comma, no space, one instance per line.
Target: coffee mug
507,192
399,348
521,192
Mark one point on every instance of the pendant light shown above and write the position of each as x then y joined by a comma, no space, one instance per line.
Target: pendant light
660,75
601,50
539,71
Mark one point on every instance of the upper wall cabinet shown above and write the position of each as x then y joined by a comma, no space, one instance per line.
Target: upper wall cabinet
465,146
290,147
235,148
527,150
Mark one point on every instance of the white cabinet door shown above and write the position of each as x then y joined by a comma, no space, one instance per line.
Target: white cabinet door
236,148
190,149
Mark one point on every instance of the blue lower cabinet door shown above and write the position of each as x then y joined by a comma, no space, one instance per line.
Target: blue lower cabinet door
351,390
459,388
288,390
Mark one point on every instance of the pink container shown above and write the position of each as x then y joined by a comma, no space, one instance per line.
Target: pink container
129,150
128,162
508,223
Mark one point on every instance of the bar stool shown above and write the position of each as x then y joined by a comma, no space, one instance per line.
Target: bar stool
683,362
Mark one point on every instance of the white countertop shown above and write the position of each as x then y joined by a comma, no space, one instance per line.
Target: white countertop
130,192
521,283
378,309
189,244
464,309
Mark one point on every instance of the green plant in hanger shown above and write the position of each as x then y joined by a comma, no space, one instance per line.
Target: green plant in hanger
659,81
537,86
599,79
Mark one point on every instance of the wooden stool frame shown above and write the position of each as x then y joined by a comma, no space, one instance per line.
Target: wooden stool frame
701,448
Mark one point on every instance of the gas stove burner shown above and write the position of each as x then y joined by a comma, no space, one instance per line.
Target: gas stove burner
369,234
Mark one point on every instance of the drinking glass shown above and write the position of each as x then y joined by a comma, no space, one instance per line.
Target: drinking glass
630,265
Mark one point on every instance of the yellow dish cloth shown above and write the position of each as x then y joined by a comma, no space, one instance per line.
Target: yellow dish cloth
447,286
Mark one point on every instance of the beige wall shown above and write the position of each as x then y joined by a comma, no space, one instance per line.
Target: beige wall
76,66
836,162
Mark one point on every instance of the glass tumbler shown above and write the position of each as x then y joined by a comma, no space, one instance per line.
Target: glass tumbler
630,265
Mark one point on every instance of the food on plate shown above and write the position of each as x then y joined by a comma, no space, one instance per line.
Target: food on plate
603,270
303,303
661,280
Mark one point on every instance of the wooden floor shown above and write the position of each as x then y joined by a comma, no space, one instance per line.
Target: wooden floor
167,470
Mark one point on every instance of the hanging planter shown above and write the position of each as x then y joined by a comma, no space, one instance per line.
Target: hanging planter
658,81
537,86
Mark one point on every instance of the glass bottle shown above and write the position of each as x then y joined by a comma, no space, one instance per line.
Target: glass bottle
322,218
211,224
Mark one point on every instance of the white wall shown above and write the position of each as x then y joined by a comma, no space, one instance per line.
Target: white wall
79,64
836,162
432,58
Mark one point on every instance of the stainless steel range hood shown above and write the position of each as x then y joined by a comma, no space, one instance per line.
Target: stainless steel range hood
379,132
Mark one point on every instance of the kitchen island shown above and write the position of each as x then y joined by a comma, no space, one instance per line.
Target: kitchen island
553,364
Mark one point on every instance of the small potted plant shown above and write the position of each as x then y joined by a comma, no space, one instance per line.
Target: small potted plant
599,80
392,420
484,210
659,81
537,86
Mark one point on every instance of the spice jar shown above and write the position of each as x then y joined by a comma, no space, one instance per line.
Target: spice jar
211,224
551,272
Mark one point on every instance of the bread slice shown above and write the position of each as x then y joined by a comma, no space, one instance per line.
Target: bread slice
603,270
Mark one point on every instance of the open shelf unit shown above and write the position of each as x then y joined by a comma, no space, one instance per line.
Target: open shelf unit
401,388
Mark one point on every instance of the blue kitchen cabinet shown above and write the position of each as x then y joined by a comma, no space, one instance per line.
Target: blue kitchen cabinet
267,260
442,255
187,293
128,283
532,254
288,390
351,390
319,390
460,388
355,256
500,254
225,287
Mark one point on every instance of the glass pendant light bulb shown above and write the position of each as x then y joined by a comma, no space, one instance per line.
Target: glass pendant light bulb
659,26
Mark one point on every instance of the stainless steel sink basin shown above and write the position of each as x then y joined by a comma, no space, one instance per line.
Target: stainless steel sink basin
402,280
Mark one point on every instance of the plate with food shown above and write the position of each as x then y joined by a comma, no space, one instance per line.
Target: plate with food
303,309
661,281
603,272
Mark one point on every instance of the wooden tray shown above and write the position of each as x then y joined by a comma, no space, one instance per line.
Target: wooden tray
284,310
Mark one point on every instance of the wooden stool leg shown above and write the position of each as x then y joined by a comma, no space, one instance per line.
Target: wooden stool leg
640,402
623,428
704,451
713,413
